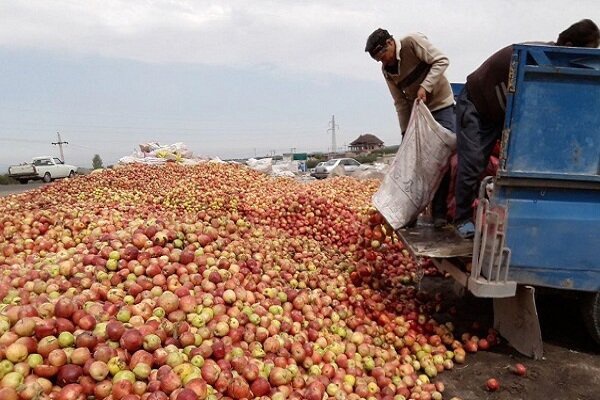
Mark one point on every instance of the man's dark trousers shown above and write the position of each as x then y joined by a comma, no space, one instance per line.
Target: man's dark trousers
475,140
446,117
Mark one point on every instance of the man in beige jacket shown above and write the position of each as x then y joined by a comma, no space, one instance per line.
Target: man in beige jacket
414,69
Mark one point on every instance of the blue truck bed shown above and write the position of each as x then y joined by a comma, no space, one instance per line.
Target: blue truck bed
549,176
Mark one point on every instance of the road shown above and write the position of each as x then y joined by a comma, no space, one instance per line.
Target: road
5,190
570,368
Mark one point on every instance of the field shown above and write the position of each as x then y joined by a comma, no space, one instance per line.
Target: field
214,281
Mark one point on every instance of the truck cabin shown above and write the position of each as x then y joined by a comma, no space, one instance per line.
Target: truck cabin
46,161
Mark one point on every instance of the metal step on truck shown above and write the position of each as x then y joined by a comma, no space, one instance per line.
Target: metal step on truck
540,226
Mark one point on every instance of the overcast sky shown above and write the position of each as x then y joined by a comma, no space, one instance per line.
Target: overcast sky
228,78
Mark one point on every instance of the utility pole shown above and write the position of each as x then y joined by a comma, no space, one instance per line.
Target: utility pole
60,143
332,129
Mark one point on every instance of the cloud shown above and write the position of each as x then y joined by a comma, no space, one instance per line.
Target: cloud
112,73
288,36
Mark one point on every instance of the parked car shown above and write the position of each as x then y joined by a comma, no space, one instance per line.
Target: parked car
45,168
312,170
324,169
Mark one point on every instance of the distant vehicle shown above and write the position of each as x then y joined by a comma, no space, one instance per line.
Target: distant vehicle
312,170
45,168
324,169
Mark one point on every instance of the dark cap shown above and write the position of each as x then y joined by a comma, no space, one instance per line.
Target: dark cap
376,40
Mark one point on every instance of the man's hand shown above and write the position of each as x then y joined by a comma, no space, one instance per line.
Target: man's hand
422,94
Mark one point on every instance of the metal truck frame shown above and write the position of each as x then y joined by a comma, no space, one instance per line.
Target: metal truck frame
540,228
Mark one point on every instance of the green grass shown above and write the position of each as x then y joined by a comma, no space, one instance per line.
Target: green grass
6,180
390,149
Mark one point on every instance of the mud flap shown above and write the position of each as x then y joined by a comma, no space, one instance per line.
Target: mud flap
517,321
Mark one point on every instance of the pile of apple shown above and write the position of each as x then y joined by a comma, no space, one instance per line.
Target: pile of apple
211,282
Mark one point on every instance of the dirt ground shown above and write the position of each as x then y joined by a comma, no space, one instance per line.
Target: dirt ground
570,368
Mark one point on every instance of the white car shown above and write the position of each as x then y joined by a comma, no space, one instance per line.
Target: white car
324,169
44,168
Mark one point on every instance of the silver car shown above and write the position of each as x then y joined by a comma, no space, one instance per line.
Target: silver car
324,169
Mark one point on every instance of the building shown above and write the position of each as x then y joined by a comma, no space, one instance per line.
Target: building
301,158
366,142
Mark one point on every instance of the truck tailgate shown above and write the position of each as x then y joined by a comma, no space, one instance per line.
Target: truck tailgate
425,241
22,170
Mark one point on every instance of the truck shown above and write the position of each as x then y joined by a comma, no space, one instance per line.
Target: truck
46,168
539,228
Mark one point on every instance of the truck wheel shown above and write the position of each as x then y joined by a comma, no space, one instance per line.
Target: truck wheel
23,181
591,314
71,174
47,178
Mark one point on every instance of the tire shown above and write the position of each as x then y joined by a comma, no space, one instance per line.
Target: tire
23,181
71,174
47,177
591,314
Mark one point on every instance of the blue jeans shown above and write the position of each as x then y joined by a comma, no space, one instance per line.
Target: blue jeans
446,117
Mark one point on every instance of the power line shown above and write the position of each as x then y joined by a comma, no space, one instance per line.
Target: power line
78,146
301,130
22,140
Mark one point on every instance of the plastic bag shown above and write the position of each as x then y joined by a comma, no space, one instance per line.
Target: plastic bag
338,171
417,169
149,147
153,153
264,165
375,171
285,168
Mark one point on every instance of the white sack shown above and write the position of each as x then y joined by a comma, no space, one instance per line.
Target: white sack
417,169
338,171
153,153
264,165
285,168
375,171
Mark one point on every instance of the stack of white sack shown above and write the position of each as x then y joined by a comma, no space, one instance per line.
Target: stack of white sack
286,168
154,153
279,168
264,165
375,171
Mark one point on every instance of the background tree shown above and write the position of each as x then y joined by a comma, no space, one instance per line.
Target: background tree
96,162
